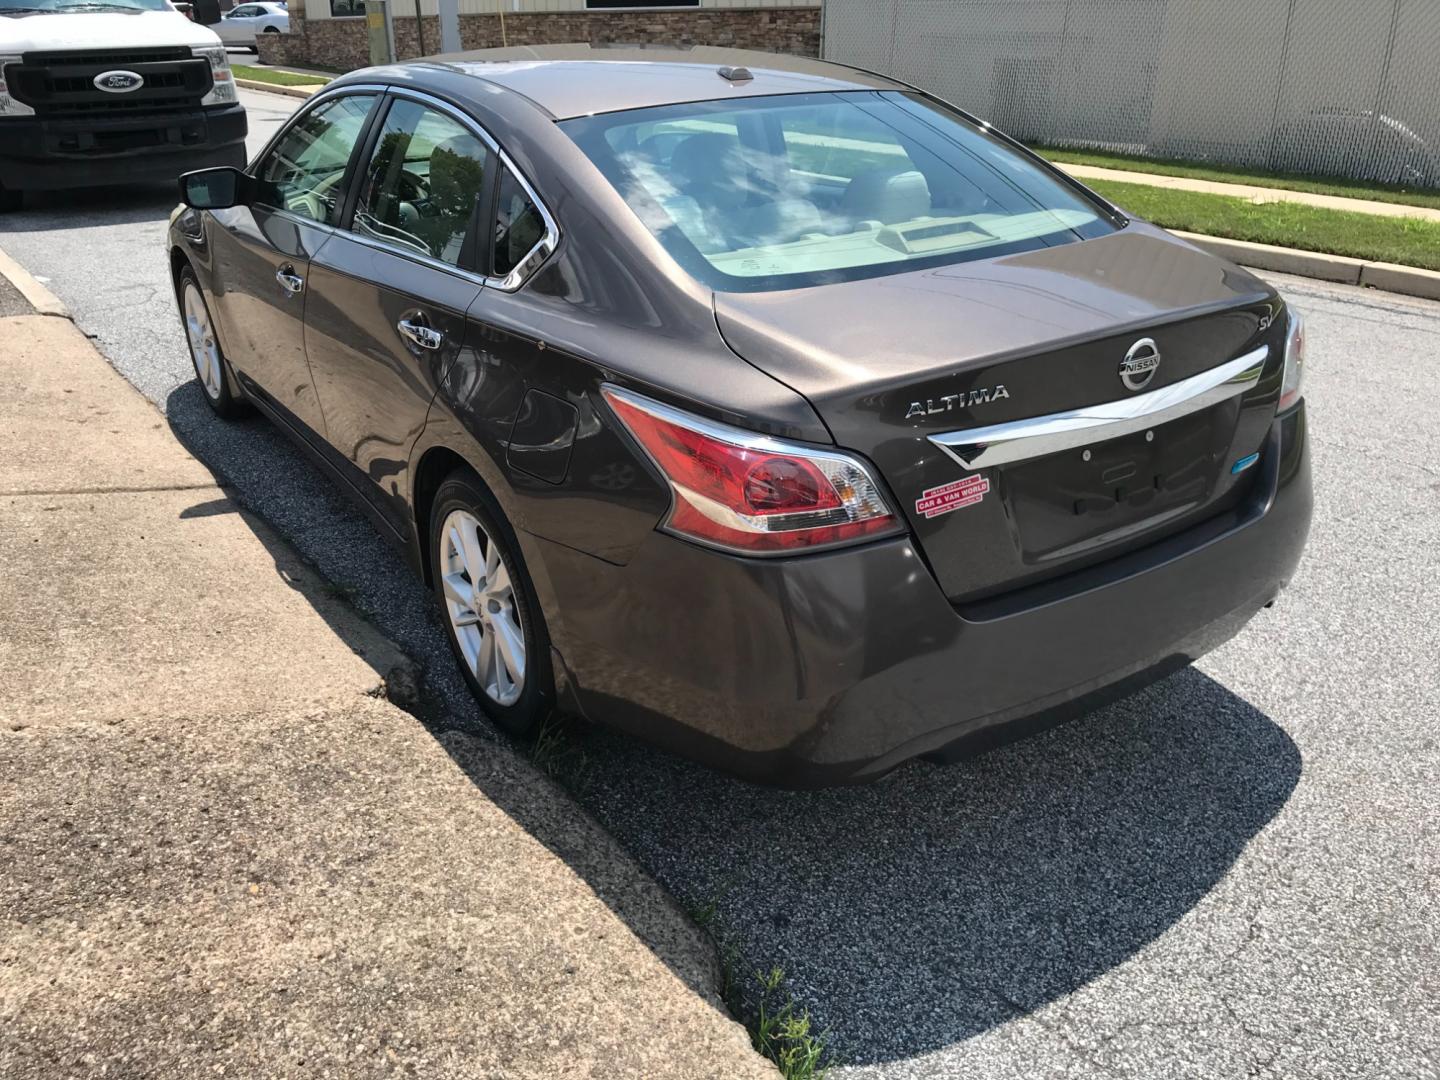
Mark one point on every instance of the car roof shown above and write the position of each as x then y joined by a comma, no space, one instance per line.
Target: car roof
580,80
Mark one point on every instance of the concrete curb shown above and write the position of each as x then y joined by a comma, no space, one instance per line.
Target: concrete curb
275,88
1406,280
36,295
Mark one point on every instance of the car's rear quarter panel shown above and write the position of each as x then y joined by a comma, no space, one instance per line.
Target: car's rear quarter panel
608,306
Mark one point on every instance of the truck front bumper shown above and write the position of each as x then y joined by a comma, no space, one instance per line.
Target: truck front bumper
49,152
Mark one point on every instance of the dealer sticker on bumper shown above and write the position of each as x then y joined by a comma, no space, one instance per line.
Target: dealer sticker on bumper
967,491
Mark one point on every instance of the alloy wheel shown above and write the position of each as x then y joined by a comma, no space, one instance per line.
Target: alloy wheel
203,350
480,603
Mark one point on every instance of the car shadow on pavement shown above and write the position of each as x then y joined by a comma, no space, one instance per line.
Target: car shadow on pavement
908,915
85,208
264,474
945,900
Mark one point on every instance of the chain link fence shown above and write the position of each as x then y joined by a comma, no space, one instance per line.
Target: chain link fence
1332,87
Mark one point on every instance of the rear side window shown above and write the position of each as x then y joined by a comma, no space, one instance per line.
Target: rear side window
306,169
422,183
798,190
519,225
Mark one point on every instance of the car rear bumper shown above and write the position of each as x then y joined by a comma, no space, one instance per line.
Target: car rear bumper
42,152
837,667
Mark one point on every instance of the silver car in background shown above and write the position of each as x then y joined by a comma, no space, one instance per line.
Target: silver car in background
242,26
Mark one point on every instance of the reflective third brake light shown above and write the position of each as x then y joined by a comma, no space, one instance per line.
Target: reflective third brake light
749,493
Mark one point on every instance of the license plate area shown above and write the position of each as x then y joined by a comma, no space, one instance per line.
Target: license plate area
1073,503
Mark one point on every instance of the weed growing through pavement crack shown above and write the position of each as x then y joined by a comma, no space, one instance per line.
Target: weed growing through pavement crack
556,751
782,1032
779,1029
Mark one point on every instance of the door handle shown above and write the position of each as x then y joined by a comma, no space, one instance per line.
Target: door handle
290,281
424,336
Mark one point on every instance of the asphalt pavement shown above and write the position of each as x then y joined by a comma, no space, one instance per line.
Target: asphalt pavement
1234,873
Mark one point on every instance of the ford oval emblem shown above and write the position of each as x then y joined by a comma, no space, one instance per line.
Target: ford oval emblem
118,82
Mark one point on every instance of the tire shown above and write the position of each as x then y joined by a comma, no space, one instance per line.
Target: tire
506,612
212,370
10,199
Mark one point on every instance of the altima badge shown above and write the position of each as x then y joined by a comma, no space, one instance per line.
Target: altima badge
1140,364
934,406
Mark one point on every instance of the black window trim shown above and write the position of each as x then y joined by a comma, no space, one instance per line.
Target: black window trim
468,267
485,207
479,246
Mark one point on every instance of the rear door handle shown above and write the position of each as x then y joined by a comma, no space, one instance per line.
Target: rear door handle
425,336
290,281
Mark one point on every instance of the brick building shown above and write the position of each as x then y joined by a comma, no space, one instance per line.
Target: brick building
332,34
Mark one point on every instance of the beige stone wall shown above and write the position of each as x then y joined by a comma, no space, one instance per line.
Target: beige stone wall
342,45
321,8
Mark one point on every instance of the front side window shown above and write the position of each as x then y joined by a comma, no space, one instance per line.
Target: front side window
304,173
785,192
421,186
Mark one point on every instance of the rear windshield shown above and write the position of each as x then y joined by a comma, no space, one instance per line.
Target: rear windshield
785,192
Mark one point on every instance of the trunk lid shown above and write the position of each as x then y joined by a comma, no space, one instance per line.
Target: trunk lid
890,361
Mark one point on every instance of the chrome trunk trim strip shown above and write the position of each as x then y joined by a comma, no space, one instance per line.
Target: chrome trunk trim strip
1038,436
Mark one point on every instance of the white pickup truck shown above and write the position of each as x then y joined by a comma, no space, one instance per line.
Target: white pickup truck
96,92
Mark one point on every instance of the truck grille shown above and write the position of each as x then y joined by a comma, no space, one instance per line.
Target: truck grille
57,83
109,57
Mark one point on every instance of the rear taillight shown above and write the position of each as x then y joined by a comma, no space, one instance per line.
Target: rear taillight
1294,361
748,493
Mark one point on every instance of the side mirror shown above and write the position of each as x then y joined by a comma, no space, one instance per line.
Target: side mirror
215,189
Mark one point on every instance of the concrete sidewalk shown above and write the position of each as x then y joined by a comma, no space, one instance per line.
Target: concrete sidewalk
227,853
1253,192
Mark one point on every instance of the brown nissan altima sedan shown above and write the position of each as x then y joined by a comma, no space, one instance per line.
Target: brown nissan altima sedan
773,411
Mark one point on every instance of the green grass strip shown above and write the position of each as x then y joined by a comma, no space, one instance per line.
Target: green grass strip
278,78
1293,225
1225,174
